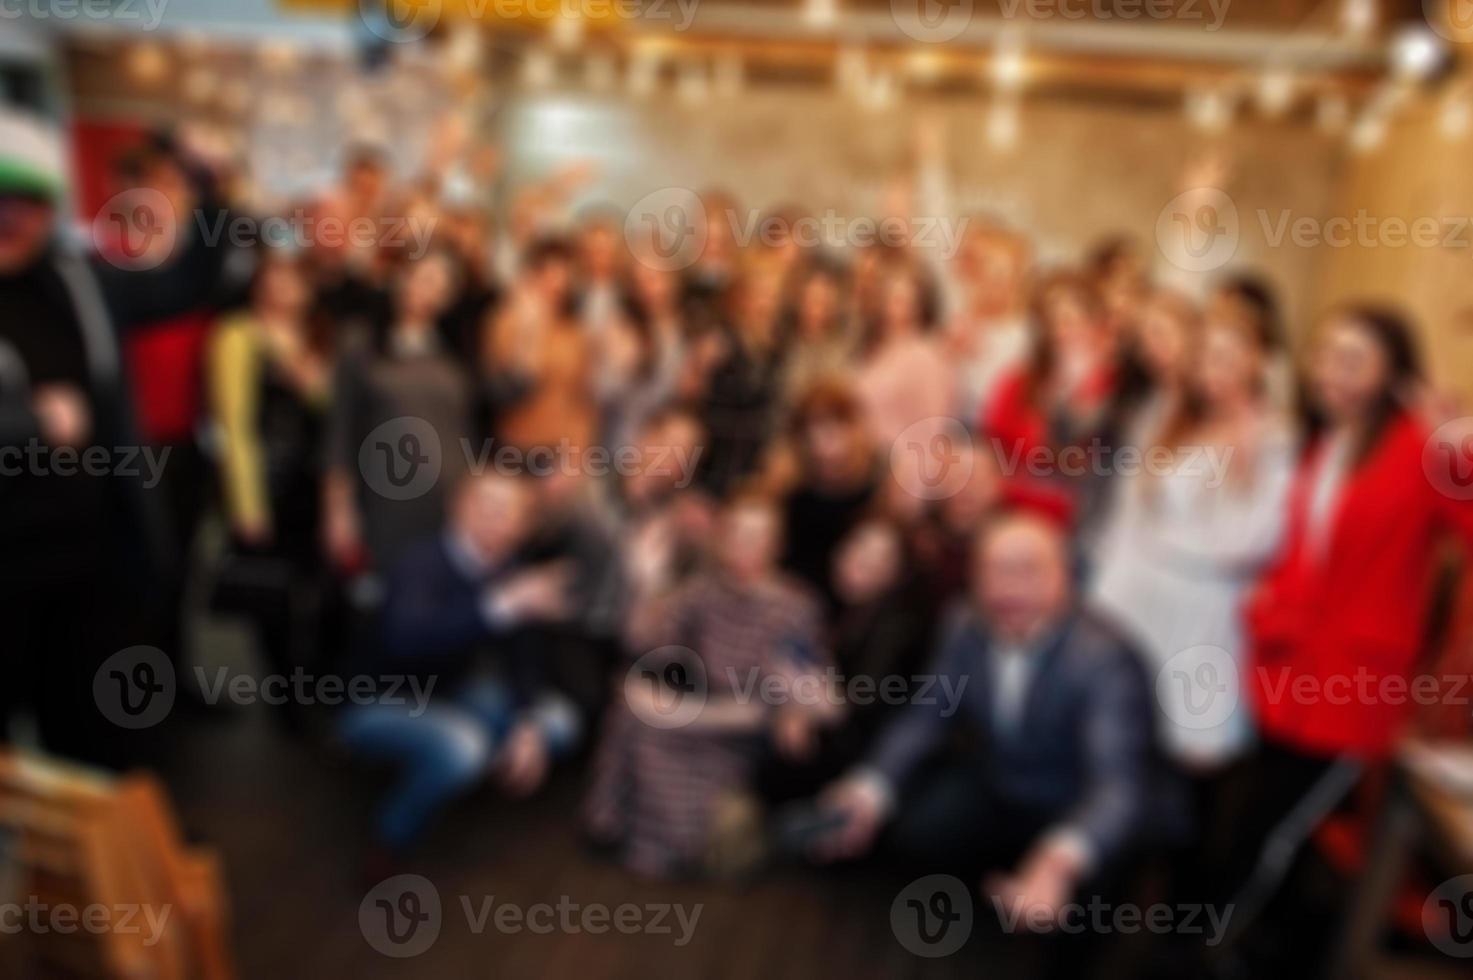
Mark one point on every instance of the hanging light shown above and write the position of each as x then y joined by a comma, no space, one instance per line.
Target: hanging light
1275,90
1368,133
1209,110
567,28
1007,66
1358,18
1417,53
463,50
820,13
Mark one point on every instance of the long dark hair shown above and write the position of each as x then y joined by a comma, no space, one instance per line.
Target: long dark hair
318,327
1393,333
1043,360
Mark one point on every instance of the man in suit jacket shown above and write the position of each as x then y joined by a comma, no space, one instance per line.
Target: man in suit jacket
1055,782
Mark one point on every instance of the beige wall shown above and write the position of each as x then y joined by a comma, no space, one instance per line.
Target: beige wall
1419,173
1077,172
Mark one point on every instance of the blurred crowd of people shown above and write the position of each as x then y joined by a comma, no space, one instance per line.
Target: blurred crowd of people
1079,532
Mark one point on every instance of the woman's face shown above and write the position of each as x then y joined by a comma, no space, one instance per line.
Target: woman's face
763,294
901,306
1348,371
831,444
1163,341
656,287
1074,333
553,280
283,287
1230,365
818,304
867,563
426,289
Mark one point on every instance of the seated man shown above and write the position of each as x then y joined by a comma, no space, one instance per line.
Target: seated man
1053,786
448,601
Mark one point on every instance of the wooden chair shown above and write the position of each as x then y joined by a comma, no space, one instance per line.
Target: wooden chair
78,839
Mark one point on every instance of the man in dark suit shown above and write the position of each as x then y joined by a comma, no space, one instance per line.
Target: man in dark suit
1050,779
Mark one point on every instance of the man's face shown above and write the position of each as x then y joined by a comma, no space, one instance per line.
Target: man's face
366,182
25,228
1022,577
749,541
494,513
600,252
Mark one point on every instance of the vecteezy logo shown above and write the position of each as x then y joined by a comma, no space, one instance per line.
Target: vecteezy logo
932,459
932,21
1447,458
1198,687
667,687
932,916
667,229
400,460
134,688
1198,230
400,21
1453,19
135,230
401,917
1447,916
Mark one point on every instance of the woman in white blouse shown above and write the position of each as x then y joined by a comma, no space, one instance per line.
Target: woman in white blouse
1185,540
1190,528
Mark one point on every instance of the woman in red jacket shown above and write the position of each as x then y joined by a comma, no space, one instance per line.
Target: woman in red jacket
1338,621
1045,418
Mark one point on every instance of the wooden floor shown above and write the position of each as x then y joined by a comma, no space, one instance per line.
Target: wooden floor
290,823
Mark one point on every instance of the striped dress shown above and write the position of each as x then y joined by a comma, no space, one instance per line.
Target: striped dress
654,788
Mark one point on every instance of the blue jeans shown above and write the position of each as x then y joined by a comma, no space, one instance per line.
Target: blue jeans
444,751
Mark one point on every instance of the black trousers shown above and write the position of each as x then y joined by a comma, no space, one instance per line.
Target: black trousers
58,634
1288,932
948,821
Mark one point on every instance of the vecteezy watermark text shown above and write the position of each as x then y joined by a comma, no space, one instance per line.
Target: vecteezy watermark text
668,229
670,688
403,917
149,12
136,688
134,230
1099,916
41,918
569,459
36,458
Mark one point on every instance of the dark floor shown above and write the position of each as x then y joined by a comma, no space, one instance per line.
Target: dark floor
289,824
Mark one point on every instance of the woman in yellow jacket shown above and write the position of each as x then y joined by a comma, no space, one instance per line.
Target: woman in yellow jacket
269,371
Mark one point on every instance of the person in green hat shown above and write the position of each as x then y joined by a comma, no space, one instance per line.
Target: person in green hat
69,513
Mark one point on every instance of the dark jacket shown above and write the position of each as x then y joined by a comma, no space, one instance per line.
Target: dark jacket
56,330
1082,754
435,623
